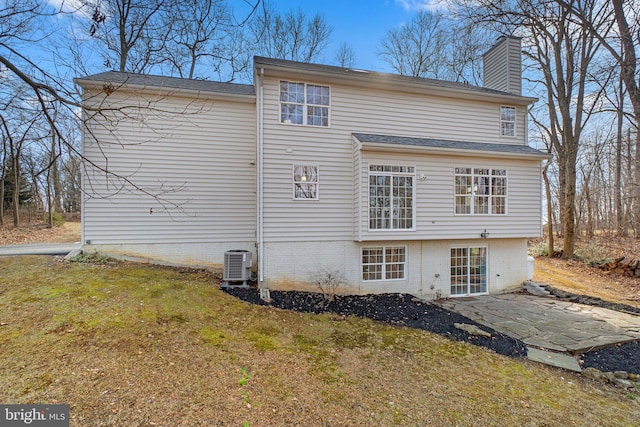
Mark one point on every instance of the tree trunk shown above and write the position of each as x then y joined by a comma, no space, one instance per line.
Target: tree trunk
569,201
636,187
617,187
2,200
589,231
16,191
547,190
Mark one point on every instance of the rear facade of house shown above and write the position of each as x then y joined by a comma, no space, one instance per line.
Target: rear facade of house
386,183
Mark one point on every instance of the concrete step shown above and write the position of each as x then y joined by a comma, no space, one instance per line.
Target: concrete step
536,289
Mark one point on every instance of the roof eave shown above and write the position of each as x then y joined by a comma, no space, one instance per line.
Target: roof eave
163,90
364,78
461,152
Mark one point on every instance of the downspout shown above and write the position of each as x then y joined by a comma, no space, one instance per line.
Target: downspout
259,193
83,172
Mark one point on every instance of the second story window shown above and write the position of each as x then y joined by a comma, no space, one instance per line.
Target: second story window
507,121
304,104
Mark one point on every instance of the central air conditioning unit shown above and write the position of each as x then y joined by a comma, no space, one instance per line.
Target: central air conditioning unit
237,267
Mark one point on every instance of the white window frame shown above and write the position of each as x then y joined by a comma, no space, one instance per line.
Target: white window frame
304,104
409,172
384,264
493,175
468,266
304,180
504,122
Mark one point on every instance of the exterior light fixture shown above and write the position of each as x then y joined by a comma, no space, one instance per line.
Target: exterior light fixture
484,234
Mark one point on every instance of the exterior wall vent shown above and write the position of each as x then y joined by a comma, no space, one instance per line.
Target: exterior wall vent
237,267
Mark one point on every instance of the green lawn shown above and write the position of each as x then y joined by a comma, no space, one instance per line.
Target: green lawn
135,345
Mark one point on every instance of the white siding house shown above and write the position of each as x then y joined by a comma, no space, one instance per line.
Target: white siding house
394,183
170,175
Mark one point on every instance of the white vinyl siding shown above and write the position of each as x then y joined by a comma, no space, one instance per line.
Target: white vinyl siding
181,172
335,216
502,67
435,200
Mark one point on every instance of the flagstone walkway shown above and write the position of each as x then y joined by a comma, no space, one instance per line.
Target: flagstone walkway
548,323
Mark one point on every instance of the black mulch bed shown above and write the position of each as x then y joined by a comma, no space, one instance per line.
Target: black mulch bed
406,310
587,300
397,309
621,357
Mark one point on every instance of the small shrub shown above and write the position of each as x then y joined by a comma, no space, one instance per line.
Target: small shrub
541,249
91,258
58,219
592,255
328,281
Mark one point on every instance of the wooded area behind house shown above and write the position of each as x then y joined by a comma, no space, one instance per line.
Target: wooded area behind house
580,60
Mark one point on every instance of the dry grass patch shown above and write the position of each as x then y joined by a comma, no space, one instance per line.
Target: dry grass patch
578,277
128,344
69,232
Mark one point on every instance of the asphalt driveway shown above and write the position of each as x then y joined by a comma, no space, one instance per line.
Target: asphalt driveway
39,249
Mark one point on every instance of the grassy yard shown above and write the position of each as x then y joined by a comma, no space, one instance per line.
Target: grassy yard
132,345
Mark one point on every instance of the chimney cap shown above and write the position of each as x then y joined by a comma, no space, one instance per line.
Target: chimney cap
501,39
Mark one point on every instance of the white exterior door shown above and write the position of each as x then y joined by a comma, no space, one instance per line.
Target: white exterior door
468,270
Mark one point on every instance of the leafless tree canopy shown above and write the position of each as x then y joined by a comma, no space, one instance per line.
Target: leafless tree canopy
433,46
292,35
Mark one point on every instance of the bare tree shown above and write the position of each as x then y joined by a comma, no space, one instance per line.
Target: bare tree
345,56
622,45
414,49
435,46
292,36
133,32
564,52
205,40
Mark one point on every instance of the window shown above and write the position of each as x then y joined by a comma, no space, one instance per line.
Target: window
305,182
468,270
383,263
302,103
507,121
480,191
391,197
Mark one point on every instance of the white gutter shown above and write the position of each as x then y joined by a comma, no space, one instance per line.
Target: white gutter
259,193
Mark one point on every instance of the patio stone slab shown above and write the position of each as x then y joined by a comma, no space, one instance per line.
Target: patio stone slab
549,323
559,360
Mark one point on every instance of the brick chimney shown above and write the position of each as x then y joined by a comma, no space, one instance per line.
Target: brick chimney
502,66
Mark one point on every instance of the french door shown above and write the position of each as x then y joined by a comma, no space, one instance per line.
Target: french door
468,270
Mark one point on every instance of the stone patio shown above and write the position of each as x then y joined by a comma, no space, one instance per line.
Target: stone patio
546,323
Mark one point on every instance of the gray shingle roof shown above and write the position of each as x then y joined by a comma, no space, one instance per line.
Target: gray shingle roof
374,75
522,150
118,78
